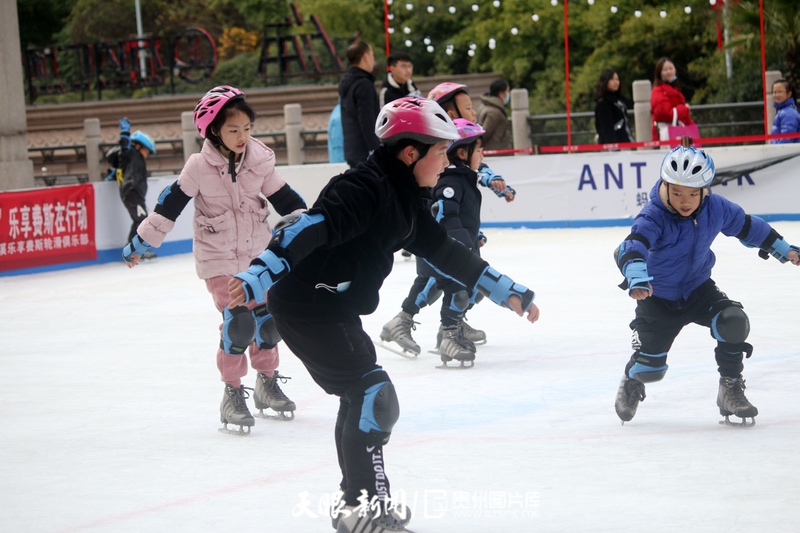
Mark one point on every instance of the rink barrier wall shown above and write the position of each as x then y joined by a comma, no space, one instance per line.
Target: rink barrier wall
601,189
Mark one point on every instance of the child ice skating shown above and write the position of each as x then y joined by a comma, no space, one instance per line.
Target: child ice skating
230,180
667,261
324,268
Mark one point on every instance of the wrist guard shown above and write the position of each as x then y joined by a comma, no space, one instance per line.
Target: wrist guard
636,274
499,287
264,271
136,246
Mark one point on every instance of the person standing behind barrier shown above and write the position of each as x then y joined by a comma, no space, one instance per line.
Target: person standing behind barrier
360,105
611,110
667,103
492,116
231,180
398,82
787,118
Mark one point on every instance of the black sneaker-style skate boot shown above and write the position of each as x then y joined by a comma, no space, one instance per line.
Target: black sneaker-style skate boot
455,347
268,395
398,330
475,336
352,519
233,410
629,394
732,401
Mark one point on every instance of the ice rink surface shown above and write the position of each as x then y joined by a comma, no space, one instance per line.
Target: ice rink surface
110,403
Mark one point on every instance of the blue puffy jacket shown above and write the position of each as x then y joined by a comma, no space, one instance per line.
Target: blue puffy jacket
677,249
787,120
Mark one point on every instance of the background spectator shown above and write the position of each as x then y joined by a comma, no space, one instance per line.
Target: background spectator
787,119
360,106
667,103
398,82
492,116
611,110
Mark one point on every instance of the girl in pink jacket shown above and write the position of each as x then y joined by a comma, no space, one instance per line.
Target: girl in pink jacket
231,180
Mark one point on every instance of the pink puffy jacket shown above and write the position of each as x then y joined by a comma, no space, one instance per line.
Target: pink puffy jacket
230,219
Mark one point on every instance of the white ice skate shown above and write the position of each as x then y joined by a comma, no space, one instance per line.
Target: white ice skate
233,410
268,395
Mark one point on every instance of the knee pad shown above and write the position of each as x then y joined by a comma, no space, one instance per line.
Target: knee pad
267,335
647,368
374,409
459,301
429,294
730,323
238,330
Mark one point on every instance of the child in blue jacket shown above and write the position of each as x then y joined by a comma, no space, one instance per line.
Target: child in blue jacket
667,261
787,118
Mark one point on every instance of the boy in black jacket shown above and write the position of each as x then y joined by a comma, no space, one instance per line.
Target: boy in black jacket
324,269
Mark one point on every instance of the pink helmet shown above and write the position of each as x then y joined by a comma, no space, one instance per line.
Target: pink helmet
211,104
445,91
414,118
469,132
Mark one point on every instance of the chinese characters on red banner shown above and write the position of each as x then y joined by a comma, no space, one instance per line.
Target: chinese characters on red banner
47,226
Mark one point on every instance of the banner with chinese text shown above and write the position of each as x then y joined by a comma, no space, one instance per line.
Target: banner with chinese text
47,226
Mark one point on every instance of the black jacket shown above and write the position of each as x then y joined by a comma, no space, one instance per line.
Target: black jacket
369,213
391,90
611,120
134,174
359,111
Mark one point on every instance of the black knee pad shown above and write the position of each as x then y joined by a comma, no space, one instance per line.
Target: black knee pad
374,409
730,323
647,368
267,335
459,301
238,330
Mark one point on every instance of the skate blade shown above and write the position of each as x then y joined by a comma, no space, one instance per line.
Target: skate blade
238,432
392,348
283,416
743,424
463,366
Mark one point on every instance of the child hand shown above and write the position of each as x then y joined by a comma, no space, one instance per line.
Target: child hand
236,292
641,294
794,257
515,304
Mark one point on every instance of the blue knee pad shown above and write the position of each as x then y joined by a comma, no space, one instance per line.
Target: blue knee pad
267,335
647,368
374,409
730,323
428,295
238,330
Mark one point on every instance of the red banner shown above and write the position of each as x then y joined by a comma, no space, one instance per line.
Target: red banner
46,226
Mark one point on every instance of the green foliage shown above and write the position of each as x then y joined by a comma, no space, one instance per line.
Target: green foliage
240,71
40,20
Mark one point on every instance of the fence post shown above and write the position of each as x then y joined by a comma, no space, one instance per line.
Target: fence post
91,129
641,110
520,111
293,116
189,135
772,77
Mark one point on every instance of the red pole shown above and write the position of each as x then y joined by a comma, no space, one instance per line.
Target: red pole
767,129
566,62
386,24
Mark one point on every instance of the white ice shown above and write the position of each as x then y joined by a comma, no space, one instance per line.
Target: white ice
110,394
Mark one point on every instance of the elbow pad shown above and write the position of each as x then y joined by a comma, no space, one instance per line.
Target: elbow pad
499,287
264,271
171,202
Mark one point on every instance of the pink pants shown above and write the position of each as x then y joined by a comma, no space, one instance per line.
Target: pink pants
234,367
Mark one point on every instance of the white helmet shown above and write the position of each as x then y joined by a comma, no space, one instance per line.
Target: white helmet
414,118
688,167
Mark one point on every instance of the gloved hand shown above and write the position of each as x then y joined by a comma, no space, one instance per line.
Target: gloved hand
124,133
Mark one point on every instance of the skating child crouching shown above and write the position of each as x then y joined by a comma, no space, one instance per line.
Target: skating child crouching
324,269
667,261
230,180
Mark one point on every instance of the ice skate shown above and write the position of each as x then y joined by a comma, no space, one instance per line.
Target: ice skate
629,394
454,347
398,331
731,401
268,394
363,519
475,336
233,410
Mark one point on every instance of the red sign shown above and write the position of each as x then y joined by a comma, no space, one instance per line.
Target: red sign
46,226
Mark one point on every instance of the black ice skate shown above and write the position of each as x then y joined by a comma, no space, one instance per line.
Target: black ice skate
731,401
454,347
475,336
629,394
268,395
398,331
362,519
233,410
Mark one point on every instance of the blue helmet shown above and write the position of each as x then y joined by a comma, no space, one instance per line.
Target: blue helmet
689,167
144,139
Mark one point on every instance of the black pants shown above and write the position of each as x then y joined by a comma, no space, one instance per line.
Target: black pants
134,203
337,354
658,322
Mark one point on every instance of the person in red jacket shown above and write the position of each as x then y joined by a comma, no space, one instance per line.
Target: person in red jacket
667,103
